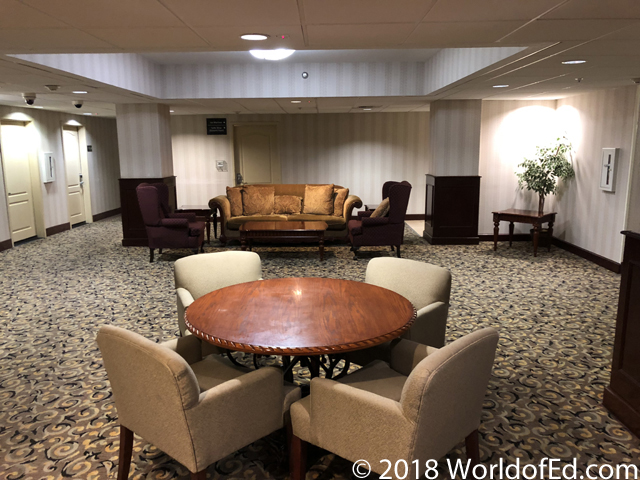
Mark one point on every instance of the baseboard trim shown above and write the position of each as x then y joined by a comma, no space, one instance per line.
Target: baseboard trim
587,255
450,240
414,216
517,237
622,410
107,214
5,245
58,229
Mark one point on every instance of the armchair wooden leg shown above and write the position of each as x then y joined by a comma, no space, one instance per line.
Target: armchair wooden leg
160,251
297,456
202,248
151,255
472,445
398,250
126,449
201,475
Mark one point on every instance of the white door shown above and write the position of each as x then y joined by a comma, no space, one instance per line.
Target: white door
75,190
15,158
256,154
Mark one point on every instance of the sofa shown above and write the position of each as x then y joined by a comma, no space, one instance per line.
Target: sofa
230,224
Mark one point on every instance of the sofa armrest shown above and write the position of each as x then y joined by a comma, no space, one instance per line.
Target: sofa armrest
221,202
174,222
352,201
188,347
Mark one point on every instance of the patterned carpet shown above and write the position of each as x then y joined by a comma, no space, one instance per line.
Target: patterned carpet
555,314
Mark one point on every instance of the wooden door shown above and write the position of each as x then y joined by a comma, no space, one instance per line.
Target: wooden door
256,154
74,177
14,144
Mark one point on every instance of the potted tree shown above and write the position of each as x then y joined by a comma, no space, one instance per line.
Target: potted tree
542,173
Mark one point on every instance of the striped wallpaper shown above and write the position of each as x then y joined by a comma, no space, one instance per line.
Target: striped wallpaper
455,137
103,164
358,151
633,219
144,140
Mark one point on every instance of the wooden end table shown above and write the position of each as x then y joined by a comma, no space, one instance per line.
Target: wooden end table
283,231
523,216
300,317
208,214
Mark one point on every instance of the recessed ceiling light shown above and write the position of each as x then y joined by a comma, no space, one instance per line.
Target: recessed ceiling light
574,62
296,101
37,106
500,86
171,111
87,113
277,54
255,37
80,92
367,109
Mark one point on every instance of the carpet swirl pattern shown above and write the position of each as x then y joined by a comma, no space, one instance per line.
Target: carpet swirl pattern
555,314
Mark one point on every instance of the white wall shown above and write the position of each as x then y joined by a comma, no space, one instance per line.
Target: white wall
633,220
103,164
358,151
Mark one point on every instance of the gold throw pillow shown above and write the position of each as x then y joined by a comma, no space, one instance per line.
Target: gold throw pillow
258,200
318,199
287,204
234,194
339,197
382,210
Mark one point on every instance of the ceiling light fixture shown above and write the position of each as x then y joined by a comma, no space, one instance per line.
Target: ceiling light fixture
80,92
296,101
277,54
500,86
87,113
171,111
254,37
367,109
574,62
36,106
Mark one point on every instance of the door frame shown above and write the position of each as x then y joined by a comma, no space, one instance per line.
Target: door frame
233,143
84,164
34,172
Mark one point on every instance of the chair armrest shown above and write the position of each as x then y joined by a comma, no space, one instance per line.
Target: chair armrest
365,214
248,407
188,347
374,222
354,423
174,222
352,201
191,217
406,354
183,300
430,326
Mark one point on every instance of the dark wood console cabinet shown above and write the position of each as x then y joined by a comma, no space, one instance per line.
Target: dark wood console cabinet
622,396
451,211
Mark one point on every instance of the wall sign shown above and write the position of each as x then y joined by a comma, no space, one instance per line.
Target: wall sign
608,173
216,126
89,148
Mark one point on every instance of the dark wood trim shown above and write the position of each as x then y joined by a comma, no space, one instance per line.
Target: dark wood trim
58,229
450,240
586,254
622,410
517,237
414,216
5,245
109,213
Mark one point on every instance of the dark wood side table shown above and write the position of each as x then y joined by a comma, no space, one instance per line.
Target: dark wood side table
207,213
531,217
302,317
622,396
283,231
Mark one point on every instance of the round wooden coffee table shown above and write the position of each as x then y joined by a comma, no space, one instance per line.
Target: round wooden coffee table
299,316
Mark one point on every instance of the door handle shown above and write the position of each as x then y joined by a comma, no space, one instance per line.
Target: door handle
81,180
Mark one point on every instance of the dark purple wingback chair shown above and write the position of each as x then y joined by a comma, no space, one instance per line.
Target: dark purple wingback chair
382,231
166,229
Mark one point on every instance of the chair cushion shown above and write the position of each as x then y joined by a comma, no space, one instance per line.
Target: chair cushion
355,227
339,197
214,370
318,199
258,200
378,378
382,210
234,222
234,194
287,204
334,223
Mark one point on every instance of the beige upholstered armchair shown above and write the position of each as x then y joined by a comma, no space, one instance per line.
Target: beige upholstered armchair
197,410
418,407
198,275
426,286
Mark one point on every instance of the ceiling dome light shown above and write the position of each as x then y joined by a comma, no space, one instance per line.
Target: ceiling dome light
254,37
296,101
500,86
277,54
574,62
80,92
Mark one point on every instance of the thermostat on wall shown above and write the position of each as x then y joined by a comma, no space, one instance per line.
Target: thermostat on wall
47,168
221,166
